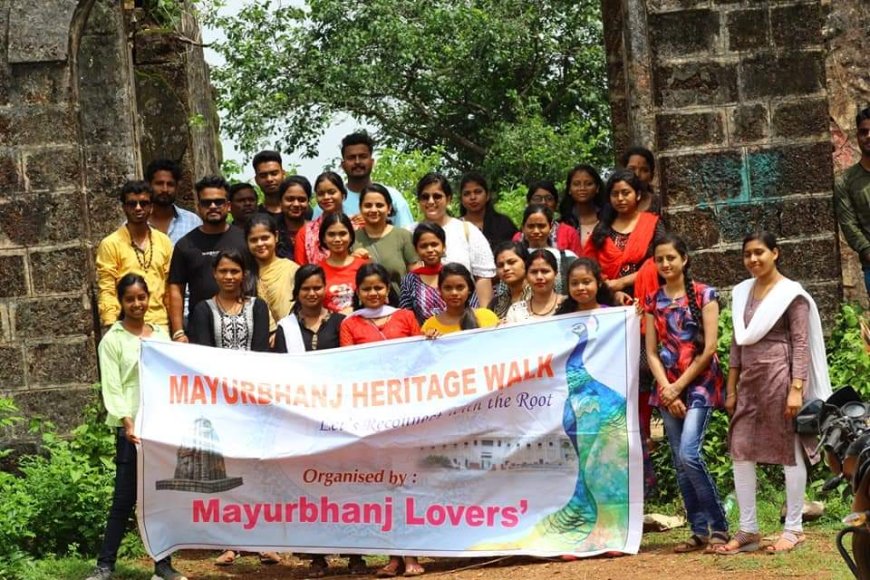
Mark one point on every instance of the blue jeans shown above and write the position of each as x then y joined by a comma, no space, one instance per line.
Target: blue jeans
686,436
867,278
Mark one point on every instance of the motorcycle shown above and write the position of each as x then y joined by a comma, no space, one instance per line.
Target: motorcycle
842,424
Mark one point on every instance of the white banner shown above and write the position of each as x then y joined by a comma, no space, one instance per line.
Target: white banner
515,440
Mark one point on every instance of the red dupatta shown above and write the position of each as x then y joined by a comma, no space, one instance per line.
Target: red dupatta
612,259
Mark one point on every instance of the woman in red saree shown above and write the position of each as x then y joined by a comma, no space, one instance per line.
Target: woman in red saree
622,242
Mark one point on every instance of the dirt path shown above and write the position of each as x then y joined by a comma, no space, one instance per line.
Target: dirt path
815,560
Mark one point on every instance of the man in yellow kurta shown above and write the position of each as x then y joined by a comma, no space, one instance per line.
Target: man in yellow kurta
134,247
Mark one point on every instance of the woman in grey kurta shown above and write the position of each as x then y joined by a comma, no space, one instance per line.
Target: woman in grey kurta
777,350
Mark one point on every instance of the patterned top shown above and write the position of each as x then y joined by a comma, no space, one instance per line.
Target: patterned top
233,331
675,328
422,299
502,300
182,223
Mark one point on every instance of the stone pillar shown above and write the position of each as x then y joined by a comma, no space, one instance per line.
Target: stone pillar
739,112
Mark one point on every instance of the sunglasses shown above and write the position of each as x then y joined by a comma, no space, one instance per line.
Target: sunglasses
432,197
207,203
542,198
133,204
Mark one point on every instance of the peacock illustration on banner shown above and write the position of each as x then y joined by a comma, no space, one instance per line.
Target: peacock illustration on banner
594,419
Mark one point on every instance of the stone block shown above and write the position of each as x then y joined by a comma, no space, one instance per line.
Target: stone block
62,362
40,33
719,268
695,83
50,317
748,124
698,228
108,168
53,168
64,407
104,214
156,46
104,113
748,29
63,218
803,118
797,26
791,170
40,84
707,178
664,5
793,74
679,130
37,125
685,32
29,220
21,218
807,216
105,18
737,220
805,261
12,279
56,271
827,296
161,93
10,174
11,368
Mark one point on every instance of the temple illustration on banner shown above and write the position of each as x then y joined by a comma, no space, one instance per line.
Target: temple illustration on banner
199,466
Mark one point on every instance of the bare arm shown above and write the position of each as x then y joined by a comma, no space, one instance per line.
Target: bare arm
710,315
175,292
483,287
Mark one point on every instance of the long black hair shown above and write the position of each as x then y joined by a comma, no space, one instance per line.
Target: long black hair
428,228
603,296
126,281
468,320
479,179
691,297
533,209
608,213
566,206
383,192
302,274
330,220
243,260
374,269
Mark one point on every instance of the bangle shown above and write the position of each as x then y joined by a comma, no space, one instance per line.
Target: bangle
177,334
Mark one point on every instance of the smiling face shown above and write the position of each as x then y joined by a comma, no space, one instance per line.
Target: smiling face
262,243
433,202
536,230
455,291
137,207
583,187
510,268
374,208
669,262
583,287
312,292
373,292
294,203
430,249
329,197
134,302
624,198
213,205
337,239
474,197
229,276
541,275
759,259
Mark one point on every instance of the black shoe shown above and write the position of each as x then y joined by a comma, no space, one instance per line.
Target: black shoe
165,571
100,573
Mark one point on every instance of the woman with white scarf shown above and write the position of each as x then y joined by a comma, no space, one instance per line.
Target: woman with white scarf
309,326
777,361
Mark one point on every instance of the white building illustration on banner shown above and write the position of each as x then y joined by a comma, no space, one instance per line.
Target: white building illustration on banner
500,453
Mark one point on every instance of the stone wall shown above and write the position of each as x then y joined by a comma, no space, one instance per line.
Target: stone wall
731,95
71,130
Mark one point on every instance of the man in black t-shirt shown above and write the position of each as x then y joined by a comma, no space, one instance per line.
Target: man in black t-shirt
192,257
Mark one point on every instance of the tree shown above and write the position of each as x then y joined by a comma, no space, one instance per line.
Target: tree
458,76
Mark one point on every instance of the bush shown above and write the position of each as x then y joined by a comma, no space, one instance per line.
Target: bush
848,361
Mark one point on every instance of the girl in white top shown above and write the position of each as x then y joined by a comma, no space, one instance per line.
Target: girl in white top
466,244
541,274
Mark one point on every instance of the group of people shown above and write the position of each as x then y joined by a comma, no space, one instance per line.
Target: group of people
286,277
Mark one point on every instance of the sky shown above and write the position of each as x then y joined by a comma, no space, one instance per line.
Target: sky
329,143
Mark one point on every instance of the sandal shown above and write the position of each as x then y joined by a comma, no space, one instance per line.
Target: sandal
787,542
739,542
357,565
226,559
317,567
413,568
269,558
693,544
391,570
717,539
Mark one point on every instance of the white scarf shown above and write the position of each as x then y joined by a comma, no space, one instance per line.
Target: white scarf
382,312
292,334
770,310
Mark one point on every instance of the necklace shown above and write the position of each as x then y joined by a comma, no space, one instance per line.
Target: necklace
547,312
233,310
144,257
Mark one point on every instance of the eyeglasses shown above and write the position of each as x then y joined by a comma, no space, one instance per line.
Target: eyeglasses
543,198
431,197
207,203
134,203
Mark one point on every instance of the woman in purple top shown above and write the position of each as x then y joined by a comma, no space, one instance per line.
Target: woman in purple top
681,337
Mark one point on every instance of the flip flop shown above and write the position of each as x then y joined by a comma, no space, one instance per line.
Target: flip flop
693,544
391,570
226,559
791,539
414,570
743,542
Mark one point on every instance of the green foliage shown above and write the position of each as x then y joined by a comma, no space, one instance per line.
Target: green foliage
402,170
525,80
848,361
166,13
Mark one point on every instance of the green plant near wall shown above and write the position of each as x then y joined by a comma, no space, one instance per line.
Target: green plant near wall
166,13
848,360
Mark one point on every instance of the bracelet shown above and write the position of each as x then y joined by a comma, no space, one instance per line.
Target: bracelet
177,334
